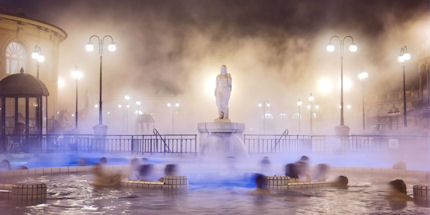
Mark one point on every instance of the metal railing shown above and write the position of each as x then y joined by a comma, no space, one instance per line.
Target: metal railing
263,143
157,143
187,143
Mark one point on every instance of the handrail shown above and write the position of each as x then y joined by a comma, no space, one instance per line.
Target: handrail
156,133
284,134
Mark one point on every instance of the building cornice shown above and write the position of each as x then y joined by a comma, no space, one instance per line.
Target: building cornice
59,32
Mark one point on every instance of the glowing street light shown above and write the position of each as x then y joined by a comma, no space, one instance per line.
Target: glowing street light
127,106
37,55
76,74
352,48
324,85
89,47
403,57
264,105
311,98
363,76
61,83
173,109
299,106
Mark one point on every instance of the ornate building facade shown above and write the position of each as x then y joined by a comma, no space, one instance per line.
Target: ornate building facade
20,38
386,110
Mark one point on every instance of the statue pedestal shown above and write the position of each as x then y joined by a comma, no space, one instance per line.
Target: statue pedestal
100,129
221,138
342,130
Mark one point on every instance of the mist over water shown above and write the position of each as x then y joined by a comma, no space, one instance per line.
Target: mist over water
171,52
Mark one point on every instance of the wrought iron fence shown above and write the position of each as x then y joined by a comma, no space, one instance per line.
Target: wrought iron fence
258,143
187,143
174,143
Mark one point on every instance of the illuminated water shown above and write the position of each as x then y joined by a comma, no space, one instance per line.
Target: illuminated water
73,194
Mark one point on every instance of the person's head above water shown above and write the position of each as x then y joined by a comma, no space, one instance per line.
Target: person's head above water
5,165
291,170
170,170
103,160
265,161
223,69
304,158
398,185
342,181
260,180
145,170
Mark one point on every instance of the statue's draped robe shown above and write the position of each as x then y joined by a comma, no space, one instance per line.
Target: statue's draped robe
222,93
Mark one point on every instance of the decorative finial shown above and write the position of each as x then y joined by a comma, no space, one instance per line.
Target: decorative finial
21,71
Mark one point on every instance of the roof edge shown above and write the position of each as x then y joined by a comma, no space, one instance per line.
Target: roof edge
35,22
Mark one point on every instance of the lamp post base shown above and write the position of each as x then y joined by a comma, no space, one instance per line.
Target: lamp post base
342,130
100,129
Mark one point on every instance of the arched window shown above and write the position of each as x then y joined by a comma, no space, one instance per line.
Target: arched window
15,57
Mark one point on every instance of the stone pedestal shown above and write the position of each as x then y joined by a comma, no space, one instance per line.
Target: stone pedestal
100,129
342,130
221,138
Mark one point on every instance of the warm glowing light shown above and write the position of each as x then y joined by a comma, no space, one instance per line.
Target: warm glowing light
311,98
177,104
127,106
260,105
112,47
299,102
127,97
317,107
363,75
120,106
353,48
96,106
210,85
267,104
401,59
89,47
407,56
138,103
76,74
324,86
168,104
309,107
61,83
348,106
35,55
41,58
330,48
347,83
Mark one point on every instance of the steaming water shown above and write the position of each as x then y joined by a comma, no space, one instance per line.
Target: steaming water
74,195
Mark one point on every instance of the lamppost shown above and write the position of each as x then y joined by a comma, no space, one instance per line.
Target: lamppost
37,55
89,48
331,48
299,106
172,113
127,106
403,57
76,74
311,98
362,76
264,105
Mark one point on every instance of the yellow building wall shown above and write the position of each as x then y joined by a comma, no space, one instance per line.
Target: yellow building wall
30,33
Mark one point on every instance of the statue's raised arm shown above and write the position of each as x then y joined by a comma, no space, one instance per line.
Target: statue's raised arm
222,92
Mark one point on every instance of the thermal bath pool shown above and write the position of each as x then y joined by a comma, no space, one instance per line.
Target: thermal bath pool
73,194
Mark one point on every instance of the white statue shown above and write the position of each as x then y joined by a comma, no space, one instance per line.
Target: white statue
222,92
